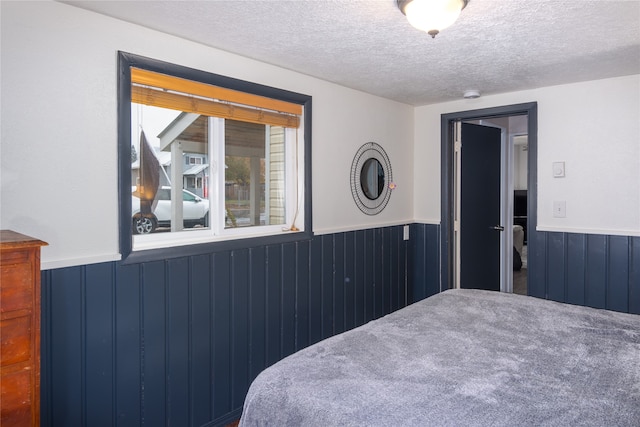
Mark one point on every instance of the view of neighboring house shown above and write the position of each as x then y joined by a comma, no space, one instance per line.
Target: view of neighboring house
195,171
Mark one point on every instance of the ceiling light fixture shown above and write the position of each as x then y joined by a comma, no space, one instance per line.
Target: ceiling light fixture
431,16
471,94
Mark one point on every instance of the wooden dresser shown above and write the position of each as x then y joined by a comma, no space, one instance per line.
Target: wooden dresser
19,329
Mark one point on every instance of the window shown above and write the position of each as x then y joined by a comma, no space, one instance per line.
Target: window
209,158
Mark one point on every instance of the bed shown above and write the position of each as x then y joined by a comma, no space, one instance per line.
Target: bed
462,358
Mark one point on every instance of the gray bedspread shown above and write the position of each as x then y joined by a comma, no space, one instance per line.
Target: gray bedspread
462,358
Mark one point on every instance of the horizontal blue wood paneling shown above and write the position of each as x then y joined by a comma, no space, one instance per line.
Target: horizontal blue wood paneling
178,341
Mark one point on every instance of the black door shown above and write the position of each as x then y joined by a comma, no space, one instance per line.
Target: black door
480,207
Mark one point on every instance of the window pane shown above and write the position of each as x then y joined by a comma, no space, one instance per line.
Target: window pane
254,174
162,139
277,176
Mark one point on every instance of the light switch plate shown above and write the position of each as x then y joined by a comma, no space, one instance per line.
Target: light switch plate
558,169
405,232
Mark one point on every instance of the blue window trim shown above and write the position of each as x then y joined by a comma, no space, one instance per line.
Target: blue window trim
128,60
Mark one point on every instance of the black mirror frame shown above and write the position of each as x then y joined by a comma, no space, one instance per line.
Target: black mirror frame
366,152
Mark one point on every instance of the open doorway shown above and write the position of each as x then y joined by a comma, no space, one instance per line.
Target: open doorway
519,158
510,170
473,251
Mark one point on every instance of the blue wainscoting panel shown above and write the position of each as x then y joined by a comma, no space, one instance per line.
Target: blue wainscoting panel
597,271
315,290
67,326
339,306
327,284
156,345
358,278
257,311
556,267
634,275
221,335
98,357
377,244
239,326
369,275
128,345
288,300
301,296
178,341
596,283
537,265
201,369
618,274
349,280
274,304
423,266
576,268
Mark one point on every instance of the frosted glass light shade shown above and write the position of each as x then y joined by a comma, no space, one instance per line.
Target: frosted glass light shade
432,16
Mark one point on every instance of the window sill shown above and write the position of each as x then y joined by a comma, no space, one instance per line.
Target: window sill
184,249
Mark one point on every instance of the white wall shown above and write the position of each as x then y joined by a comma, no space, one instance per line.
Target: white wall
594,127
58,136
59,129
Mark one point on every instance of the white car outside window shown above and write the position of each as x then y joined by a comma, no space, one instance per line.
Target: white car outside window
195,212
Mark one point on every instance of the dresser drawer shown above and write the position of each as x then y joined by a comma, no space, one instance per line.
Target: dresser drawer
16,292
15,341
15,393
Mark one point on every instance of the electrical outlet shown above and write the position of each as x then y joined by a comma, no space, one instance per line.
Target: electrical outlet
560,209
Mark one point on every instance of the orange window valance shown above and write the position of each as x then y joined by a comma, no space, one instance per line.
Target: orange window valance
161,90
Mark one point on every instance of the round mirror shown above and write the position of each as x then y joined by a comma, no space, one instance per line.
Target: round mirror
372,178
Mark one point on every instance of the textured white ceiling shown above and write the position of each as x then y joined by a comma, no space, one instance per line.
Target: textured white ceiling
495,46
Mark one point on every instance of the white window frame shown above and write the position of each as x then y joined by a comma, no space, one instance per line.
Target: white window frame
294,197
